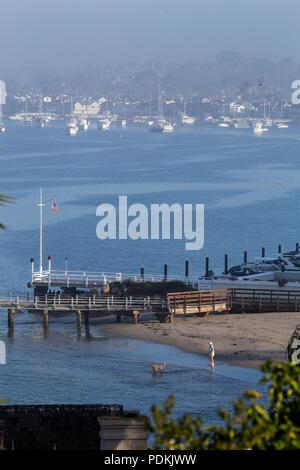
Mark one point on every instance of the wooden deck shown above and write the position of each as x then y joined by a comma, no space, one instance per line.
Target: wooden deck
198,302
265,300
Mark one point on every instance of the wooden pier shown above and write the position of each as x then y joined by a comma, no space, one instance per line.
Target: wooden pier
176,304
164,308
265,300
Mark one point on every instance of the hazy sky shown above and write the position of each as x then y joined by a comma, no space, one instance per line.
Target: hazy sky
69,33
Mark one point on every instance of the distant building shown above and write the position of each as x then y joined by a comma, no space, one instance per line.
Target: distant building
237,108
87,109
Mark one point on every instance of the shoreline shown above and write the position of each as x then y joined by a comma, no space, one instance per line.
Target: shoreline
243,340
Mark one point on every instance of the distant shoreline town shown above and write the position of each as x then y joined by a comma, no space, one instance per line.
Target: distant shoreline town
232,91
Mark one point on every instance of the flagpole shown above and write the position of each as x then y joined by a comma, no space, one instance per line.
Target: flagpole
41,230
41,205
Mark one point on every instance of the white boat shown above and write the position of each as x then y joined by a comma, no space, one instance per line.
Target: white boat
2,128
71,128
241,124
26,121
83,124
258,129
168,128
104,125
39,122
223,124
188,119
282,126
274,272
16,117
158,125
123,123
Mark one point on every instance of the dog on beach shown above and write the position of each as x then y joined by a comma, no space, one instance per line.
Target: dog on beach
157,367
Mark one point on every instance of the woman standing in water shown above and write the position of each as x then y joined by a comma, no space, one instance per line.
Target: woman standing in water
211,353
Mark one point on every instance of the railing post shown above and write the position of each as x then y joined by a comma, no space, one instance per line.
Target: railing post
78,318
186,272
165,272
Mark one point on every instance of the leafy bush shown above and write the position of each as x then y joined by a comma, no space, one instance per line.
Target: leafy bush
149,288
249,426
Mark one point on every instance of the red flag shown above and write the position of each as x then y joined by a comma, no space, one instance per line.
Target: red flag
54,207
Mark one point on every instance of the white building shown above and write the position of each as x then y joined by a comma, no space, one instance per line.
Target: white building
236,108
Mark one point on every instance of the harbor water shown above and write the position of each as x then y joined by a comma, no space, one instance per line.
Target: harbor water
250,187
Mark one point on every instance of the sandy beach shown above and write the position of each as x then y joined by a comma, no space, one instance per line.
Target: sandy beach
245,340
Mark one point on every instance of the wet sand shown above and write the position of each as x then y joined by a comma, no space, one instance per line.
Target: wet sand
245,340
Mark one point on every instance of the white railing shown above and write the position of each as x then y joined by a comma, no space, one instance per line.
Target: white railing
90,279
105,303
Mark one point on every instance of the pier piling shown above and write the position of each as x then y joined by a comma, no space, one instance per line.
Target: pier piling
226,264
206,267
45,319
165,272
87,324
45,323
263,252
11,317
11,322
279,249
245,257
78,320
186,271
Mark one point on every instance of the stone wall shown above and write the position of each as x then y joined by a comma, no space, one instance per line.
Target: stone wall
47,427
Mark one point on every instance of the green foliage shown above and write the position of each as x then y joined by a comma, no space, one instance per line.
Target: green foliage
151,288
249,426
4,200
